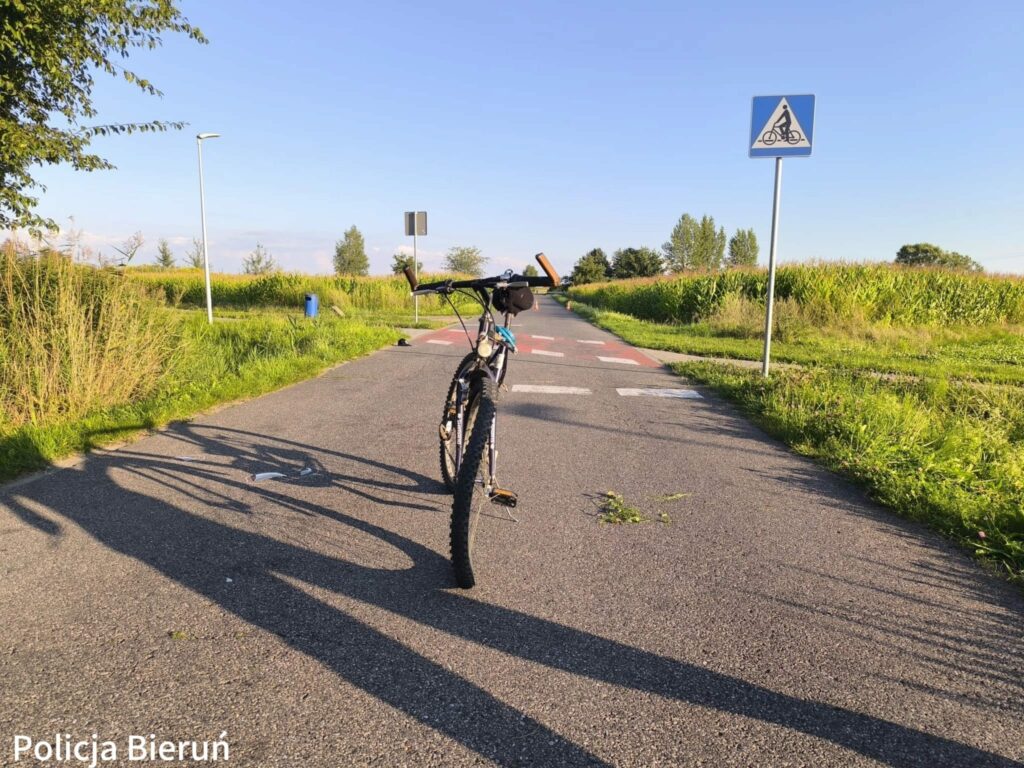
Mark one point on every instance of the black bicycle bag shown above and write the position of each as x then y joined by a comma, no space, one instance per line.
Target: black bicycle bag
514,300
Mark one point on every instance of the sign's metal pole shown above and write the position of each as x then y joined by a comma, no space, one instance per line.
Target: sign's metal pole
771,268
415,268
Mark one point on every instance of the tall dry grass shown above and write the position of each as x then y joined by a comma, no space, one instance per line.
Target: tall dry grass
74,338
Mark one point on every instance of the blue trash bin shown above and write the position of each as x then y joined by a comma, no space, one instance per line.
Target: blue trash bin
312,305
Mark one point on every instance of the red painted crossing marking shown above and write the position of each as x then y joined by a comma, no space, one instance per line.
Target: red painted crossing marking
568,350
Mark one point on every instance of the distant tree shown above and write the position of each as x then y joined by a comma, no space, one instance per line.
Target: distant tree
743,249
465,259
695,245
50,54
636,262
130,247
928,255
709,247
164,257
400,261
530,271
679,250
593,267
350,254
194,255
259,262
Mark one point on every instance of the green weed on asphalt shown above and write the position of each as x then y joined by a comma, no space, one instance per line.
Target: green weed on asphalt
617,511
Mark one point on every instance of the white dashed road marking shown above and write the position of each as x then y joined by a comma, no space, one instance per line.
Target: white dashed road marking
548,338
588,341
546,353
438,341
623,360
684,394
548,389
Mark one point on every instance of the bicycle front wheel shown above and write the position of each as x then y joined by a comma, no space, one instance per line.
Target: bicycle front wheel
474,480
769,138
447,427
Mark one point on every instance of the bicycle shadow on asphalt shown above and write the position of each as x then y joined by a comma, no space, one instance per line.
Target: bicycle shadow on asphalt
195,550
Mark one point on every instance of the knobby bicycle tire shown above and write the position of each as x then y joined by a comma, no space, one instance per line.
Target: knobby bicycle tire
470,494
446,454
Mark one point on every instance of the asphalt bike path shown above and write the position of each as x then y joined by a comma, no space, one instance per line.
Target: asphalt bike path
278,571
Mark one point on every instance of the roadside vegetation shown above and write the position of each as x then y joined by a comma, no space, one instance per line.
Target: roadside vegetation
92,355
187,288
908,380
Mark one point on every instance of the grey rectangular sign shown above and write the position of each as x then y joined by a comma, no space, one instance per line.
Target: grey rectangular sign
415,223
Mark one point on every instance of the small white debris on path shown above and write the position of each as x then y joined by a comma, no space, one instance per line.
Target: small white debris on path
546,353
684,394
550,389
260,476
623,360
438,341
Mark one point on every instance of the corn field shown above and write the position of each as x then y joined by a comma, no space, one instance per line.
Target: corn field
825,293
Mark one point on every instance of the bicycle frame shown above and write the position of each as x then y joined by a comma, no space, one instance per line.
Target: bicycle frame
492,349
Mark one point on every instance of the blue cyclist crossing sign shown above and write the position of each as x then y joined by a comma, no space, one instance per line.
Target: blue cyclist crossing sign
782,126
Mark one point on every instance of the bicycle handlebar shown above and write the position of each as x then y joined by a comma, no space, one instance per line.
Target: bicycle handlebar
448,286
501,281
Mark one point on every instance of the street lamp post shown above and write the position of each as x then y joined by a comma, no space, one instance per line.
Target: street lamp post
202,210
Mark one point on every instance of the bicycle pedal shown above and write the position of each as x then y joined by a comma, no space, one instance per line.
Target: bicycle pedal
503,497
445,432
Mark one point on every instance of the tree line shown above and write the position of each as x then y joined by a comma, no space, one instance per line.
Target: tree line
350,257
692,245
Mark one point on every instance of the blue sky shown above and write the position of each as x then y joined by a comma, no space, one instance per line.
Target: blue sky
560,127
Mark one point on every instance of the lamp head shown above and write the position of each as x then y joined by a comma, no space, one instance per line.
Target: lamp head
201,136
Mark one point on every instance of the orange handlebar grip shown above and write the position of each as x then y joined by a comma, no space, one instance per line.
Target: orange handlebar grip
410,277
548,269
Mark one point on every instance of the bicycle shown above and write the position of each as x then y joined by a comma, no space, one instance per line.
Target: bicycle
771,136
468,428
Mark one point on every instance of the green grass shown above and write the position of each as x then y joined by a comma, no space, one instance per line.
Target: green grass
992,354
230,360
929,418
950,456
